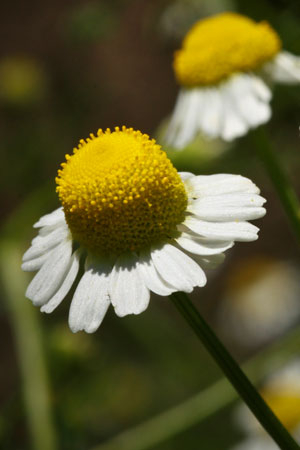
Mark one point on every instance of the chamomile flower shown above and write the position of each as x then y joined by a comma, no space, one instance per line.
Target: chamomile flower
138,226
282,393
221,68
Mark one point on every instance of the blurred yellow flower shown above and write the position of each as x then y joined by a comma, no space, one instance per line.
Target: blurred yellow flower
22,81
282,393
221,69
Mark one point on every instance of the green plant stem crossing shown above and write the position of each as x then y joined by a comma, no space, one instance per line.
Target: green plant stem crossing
233,372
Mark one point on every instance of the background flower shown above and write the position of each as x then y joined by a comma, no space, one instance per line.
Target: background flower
282,392
222,68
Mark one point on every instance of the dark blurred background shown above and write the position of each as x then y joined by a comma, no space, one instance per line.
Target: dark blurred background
68,68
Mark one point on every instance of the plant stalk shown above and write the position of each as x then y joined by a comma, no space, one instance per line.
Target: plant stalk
233,372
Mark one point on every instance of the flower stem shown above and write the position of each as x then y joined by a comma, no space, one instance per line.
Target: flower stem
273,166
29,347
204,404
233,372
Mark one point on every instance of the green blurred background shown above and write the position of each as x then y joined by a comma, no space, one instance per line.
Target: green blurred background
68,68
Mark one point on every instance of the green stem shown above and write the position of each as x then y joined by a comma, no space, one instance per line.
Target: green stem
204,404
28,340
273,166
233,372
25,322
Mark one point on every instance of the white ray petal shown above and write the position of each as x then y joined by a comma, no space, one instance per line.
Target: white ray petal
177,115
189,122
210,185
36,263
42,244
177,268
211,114
151,278
235,231
231,199
91,298
65,286
53,218
128,292
185,175
260,88
284,68
227,213
234,124
51,275
209,262
202,246
248,104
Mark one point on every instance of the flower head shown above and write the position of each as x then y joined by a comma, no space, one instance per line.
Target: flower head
219,68
222,45
120,192
138,225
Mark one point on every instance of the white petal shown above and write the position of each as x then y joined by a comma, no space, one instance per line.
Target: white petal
53,218
209,262
248,104
176,119
91,298
228,207
202,246
260,88
235,231
50,276
230,214
209,185
177,269
284,68
66,285
189,121
211,115
234,124
151,278
42,244
231,199
35,264
185,175
225,213
128,292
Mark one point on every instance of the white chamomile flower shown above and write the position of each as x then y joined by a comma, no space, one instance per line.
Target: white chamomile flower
138,225
221,69
282,393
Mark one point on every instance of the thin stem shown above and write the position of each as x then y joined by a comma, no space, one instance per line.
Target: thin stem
233,372
204,404
273,166
30,350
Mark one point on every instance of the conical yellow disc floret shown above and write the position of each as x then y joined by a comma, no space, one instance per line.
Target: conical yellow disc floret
120,192
219,46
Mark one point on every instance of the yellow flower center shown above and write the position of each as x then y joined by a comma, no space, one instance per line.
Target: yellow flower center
221,45
120,192
286,405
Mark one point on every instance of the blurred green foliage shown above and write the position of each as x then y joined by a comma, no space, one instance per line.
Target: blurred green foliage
91,21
